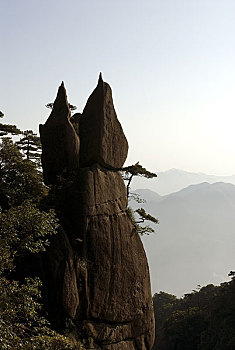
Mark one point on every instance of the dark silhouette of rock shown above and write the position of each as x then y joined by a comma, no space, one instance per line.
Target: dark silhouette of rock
98,262
60,143
101,134
60,274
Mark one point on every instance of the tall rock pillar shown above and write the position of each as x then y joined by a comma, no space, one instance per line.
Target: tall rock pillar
115,304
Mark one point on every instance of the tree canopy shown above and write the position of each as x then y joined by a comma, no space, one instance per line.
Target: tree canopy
24,229
202,320
19,178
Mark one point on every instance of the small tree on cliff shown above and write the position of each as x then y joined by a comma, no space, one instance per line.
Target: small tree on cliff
51,104
128,173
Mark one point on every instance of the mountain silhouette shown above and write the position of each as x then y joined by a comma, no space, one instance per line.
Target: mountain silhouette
174,180
194,242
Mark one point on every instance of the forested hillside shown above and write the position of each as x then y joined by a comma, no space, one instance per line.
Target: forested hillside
202,320
25,229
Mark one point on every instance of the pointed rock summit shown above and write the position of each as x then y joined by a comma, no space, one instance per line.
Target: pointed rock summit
102,138
60,143
60,106
100,77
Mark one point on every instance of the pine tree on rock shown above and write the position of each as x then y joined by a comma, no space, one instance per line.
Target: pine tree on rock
128,173
30,146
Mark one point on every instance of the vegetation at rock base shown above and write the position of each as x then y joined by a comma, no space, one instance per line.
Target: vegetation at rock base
201,320
24,229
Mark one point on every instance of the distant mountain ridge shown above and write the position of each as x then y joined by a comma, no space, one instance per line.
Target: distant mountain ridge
195,240
174,180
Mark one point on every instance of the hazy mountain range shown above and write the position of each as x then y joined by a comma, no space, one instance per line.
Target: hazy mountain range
195,240
174,180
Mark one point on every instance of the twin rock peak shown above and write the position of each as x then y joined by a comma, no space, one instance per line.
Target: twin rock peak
99,137
95,271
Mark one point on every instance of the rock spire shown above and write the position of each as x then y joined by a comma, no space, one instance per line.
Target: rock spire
102,138
95,271
60,143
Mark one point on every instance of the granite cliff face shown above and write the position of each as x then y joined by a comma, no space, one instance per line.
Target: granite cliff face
101,134
96,269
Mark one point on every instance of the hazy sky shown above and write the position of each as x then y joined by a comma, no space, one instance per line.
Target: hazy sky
170,63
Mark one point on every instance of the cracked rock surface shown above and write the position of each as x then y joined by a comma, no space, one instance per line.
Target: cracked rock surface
98,260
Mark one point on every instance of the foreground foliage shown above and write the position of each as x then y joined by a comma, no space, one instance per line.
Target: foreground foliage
19,178
24,229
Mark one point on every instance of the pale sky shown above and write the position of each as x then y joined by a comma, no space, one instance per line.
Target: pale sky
170,63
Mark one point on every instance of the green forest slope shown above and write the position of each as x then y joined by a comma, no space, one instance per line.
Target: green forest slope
202,320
